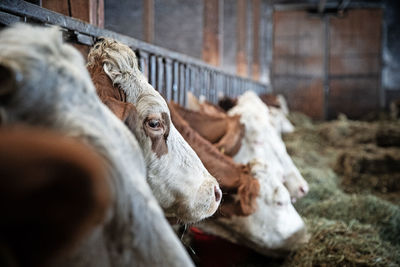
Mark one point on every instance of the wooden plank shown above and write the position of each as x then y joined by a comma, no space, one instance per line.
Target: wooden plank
211,32
298,60
355,97
303,94
355,63
59,6
256,39
91,11
148,21
241,54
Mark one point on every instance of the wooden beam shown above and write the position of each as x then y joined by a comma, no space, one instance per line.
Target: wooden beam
211,32
256,40
148,20
241,55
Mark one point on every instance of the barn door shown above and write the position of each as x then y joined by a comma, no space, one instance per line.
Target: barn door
355,63
330,65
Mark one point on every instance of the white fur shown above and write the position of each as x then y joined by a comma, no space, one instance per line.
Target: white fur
180,182
55,91
262,141
279,121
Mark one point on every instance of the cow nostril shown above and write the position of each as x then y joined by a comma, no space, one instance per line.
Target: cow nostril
217,193
303,190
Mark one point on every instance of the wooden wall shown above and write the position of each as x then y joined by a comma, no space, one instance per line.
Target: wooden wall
328,65
355,63
298,61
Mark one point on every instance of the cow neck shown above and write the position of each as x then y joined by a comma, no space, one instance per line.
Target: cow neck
233,178
211,128
225,132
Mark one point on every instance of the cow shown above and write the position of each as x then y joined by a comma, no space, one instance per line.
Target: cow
235,180
256,210
53,191
44,83
253,141
262,141
180,182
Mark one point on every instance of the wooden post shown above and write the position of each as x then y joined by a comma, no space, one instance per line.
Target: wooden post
148,20
241,55
211,32
256,39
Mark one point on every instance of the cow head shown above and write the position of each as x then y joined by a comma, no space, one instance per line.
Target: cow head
179,181
275,227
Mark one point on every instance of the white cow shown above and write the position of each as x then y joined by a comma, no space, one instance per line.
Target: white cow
274,228
180,182
44,82
262,141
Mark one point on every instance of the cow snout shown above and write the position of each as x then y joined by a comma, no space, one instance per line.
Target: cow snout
217,193
304,190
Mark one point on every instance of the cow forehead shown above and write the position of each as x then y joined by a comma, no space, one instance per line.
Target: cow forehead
151,104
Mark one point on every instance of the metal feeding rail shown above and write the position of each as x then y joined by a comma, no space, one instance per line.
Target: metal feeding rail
171,73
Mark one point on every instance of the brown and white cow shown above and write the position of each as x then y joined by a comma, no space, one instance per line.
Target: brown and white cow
256,210
261,141
44,83
177,177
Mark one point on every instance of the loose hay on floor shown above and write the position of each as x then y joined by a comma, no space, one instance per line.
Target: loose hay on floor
346,229
335,243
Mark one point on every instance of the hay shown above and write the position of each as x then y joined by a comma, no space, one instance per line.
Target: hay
370,168
346,230
388,135
369,210
335,243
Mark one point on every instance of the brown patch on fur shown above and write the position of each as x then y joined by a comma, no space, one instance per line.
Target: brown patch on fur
225,132
103,84
126,112
233,178
158,135
270,100
53,192
226,103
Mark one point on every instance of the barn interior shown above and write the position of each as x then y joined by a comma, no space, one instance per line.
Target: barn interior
335,62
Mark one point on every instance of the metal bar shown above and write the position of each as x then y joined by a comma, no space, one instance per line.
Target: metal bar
175,85
152,70
168,79
182,88
160,76
187,84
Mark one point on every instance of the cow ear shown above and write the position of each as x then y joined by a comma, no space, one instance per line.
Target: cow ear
126,112
51,197
9,80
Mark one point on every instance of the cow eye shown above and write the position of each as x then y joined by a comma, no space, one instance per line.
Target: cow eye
153,123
